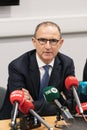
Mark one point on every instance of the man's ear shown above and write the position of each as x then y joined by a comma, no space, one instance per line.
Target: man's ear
61,42
34,41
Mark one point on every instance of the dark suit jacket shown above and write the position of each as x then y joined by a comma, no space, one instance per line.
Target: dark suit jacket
24,73
85,72
83,98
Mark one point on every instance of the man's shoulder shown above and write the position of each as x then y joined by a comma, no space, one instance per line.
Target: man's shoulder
64,57
85,66
23,59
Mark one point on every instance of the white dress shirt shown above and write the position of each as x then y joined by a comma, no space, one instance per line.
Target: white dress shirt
41,64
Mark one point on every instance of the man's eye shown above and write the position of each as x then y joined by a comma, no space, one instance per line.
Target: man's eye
53,40
43,40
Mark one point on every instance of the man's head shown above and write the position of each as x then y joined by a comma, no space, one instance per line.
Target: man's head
47,41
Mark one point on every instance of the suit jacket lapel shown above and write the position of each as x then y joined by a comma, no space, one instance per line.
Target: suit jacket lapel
35,75
56,72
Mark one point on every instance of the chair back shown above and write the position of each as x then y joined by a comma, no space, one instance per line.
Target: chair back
2,96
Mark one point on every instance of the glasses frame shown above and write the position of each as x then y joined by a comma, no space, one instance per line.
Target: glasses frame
43,41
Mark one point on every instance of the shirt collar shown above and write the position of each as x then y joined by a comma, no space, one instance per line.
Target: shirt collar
41,63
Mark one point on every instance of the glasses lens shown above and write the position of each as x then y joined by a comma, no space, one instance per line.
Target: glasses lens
42,40
51,41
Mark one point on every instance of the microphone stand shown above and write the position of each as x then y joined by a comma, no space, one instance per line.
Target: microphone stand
40,119
57,121
13,124
58,118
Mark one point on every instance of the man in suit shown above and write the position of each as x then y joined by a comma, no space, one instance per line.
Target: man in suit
85,72
26,71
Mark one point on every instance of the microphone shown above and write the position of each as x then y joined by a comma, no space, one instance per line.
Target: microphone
82,88
51,94
84,107
16,98
72,82
28,107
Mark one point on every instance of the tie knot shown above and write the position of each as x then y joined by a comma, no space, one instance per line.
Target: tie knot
46,68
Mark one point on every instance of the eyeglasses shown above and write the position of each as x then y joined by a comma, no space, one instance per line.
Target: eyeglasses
44,41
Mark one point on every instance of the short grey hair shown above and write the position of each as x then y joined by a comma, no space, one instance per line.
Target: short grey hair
46,23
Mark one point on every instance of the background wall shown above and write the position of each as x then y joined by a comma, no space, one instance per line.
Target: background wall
17,24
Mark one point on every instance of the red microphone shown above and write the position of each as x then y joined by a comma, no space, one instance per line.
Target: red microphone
16,98
17,95
84,107
72,82
28,107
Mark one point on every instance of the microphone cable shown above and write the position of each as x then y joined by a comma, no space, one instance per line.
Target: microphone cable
84,117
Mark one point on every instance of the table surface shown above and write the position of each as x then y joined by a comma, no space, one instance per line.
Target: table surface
4,124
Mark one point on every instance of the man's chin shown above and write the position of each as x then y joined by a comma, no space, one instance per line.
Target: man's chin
47,60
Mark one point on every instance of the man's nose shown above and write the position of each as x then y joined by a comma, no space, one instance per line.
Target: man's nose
48,44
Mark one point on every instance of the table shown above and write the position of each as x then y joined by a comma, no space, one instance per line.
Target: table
4,124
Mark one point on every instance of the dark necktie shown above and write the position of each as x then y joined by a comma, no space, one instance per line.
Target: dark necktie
44,81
